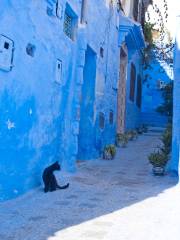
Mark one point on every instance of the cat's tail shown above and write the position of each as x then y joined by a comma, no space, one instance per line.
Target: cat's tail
63,187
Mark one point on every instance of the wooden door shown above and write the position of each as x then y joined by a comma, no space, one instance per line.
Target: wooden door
121,102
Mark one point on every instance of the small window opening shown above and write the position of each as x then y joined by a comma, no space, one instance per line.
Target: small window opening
102,52
111,117
49,11
6,45
101,120
132,82
59,71
30,49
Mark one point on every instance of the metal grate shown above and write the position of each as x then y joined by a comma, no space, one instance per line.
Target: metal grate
68,26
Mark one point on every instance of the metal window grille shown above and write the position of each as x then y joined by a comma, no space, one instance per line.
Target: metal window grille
68,26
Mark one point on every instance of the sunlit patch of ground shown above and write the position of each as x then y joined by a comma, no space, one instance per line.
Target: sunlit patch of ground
117,199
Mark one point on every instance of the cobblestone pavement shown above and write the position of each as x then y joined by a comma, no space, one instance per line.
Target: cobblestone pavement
118,199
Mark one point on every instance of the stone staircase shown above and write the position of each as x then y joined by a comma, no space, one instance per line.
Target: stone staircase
154,119
154,131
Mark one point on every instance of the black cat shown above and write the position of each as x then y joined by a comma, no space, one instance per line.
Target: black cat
49,178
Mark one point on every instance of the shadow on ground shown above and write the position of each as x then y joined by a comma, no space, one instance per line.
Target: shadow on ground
98,188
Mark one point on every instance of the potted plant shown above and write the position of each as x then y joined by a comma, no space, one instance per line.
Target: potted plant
109,152
144,128
132,134
121,140
167,140
139,130
158,160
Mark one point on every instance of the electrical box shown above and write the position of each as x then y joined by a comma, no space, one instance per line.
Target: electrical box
6,53
59,72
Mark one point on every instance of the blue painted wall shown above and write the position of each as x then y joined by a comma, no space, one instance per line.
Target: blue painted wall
151,94
86,130
133,112
39,120
132,36
174,163
42,119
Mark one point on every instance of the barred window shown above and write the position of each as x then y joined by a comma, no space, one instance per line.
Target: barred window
70,22
68,25
132,82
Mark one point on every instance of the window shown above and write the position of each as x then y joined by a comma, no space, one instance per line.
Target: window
101,120
68,25
83,11
59,71
111,117
30,49
102,52
6,45
132,82
139,92
70,22
59,9
54,8
135,9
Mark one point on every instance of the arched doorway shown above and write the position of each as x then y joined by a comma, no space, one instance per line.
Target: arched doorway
121,98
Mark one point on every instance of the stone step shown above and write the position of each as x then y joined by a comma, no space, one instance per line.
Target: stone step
156,129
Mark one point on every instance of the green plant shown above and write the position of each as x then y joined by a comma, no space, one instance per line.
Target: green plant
109,151
144,128
148,32
139,130
167,140
121,139
167,107
158,159
131,134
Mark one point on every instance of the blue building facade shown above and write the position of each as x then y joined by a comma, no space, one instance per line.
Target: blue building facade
174,163
61,70
156,75
131,38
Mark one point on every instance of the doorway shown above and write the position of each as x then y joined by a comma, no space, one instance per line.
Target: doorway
86,137
121,98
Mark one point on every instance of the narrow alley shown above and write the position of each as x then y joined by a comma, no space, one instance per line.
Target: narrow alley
108,199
